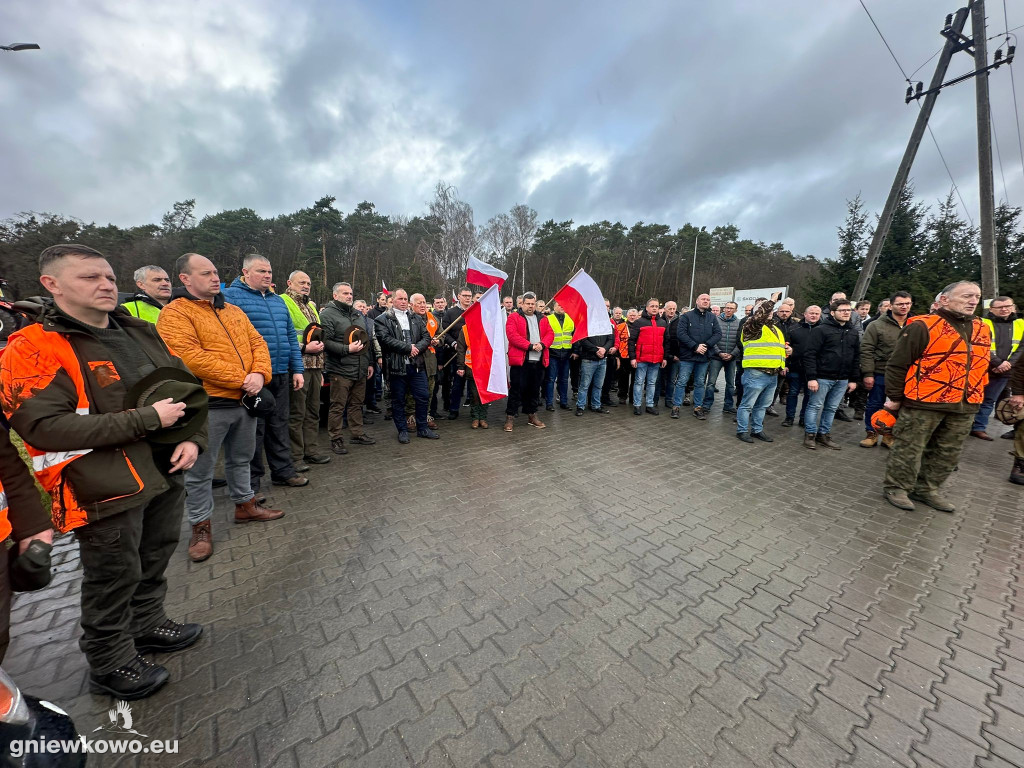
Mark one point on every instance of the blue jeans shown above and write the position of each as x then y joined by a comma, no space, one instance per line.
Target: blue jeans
823,406
671,378
643,386
416,382
993,390
797,385
703,396
715,366
558,368
758,389
591,380
876,399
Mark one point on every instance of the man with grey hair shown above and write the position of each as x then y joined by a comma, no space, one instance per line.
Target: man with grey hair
304,404
935,380
252,292
349,364
154,293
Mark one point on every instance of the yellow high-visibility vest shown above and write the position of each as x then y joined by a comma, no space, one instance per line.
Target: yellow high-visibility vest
1016,335
563,331
766,351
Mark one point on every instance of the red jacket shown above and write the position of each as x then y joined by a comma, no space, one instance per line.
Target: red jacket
519,339
647,339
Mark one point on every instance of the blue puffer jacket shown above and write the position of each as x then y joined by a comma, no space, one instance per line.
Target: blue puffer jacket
269,315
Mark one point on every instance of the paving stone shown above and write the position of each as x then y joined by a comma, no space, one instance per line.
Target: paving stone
602,622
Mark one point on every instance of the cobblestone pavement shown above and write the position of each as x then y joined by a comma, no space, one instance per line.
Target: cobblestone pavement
612,590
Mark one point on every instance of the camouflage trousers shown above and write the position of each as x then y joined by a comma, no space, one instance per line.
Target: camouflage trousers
1018,440
926,448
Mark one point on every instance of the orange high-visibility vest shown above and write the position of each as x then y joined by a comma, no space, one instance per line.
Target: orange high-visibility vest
469,352
432,328
5,525
949,370
48,466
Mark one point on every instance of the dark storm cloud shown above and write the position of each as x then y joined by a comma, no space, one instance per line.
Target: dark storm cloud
770,119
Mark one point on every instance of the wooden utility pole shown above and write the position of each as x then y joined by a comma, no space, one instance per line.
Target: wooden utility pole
903,173
986,184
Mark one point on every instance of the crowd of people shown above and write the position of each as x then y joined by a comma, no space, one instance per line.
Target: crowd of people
125,403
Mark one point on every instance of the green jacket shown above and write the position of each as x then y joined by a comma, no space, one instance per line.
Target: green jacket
877,345
338,319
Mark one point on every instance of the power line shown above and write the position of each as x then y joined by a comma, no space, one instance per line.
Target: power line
956,187
999,155
925,64
872,18
1013,87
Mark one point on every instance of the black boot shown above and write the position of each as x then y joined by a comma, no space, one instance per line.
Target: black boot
1017,473
137,679
169,636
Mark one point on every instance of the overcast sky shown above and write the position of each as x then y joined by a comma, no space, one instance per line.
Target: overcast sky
767,115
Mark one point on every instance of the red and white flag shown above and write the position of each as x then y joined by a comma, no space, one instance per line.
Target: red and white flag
481,273
583,301
485,329
386,291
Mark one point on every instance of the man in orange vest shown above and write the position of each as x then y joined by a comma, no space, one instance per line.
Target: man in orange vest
64,386
935,380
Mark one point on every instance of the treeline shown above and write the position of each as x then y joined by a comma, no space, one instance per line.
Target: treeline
924,251
425,253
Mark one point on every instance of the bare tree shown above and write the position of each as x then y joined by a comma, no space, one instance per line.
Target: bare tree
455,237
524,229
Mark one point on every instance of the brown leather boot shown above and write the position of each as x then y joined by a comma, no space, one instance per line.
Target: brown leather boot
200,546
509,423
251,512
870,441
533,421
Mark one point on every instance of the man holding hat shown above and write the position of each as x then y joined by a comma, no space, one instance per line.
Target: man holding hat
221,347
111,419
304,404
349,363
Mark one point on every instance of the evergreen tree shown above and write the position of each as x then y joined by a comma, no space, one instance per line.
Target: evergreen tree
842,273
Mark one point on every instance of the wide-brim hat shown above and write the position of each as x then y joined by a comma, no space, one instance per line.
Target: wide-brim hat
312,332
355,333
1007,414
182,387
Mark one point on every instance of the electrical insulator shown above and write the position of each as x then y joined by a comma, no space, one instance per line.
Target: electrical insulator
920,85
910,93
949,20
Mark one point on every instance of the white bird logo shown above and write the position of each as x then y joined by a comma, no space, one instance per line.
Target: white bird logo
123,710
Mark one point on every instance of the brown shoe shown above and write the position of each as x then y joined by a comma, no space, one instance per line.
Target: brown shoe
251,512
200,546
826,440
887,441
533,421
809,441
475,424
981,434
430,422
870,441
483,424
508,423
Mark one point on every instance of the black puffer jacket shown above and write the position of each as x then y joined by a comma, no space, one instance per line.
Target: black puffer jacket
833,352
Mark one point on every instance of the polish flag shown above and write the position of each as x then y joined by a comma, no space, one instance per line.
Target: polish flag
386,291
481,273
485,329
583,301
